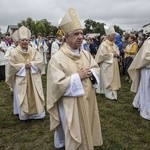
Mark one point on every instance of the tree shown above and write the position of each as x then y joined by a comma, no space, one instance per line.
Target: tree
94,27
42,26
118,29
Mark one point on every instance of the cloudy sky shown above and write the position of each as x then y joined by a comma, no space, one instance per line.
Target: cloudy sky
128,14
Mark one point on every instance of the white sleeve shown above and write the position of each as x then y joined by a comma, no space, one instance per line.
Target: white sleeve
22,72
54,48
45,47
75,87
34,69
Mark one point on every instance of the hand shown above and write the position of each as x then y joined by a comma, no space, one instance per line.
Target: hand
28,65
84,73
116,55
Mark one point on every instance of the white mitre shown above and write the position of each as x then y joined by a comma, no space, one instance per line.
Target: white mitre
109,30
15,36
24,33
70,22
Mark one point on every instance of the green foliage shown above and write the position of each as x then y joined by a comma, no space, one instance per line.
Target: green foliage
122,126
46,28
42,26
94,27
118,30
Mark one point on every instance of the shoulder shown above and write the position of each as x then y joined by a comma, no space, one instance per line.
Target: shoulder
135,44
32,49
55,43
13,52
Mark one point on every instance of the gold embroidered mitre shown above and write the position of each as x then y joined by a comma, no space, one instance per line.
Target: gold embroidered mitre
24,33
109,30
15,36
70,22
59,32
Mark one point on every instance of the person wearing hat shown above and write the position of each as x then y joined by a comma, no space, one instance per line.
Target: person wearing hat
71,100
24,76
57,43
107,59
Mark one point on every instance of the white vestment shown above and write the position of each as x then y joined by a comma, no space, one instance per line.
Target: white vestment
2,54
17,110
139,72
55,47
142,97
75,89
109,71
73,106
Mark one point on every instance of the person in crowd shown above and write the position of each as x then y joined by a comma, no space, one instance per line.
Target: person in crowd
32,42
118,42
93,47
9,49
24,76
3,49
86,43
107,58
139,72
42,48
97,40
71,100
124,44
141,40
8,40
129,54
57,43
50,40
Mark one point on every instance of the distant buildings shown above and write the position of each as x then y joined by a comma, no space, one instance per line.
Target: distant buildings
11,29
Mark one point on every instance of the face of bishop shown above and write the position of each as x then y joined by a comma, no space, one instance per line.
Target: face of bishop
75,38
24,43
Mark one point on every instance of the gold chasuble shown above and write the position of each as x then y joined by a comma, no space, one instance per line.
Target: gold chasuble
29,87
82,124
109,65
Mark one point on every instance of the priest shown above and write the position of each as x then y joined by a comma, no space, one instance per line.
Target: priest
71,101
107,58
24,76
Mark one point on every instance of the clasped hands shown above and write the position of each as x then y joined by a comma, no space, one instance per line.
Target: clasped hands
27,65
84,73
115,54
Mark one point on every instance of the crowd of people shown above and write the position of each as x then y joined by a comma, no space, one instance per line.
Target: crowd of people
78,67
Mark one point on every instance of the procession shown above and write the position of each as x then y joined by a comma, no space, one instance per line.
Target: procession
74,91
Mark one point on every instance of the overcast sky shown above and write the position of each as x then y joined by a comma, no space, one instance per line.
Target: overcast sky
128,14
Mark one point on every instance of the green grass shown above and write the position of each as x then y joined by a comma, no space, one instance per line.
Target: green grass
122,126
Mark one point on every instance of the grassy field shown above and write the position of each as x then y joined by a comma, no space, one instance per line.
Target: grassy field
122,126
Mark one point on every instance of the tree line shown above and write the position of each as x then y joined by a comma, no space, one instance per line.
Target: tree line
47,29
